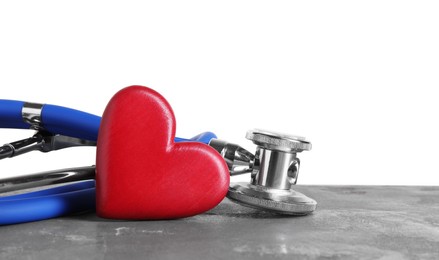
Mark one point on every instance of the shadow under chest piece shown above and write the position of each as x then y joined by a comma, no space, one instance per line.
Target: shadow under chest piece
274,170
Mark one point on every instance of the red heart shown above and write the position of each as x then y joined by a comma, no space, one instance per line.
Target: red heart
141,173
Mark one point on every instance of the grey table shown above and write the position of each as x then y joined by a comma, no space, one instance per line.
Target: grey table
360,222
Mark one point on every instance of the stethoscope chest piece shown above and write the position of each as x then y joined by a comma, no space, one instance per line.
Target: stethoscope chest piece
274,170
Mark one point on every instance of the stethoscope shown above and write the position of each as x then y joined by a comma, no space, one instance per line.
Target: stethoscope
274,167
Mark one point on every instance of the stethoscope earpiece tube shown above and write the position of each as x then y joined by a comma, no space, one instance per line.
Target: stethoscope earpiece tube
70,122
61,120
10,116
52,118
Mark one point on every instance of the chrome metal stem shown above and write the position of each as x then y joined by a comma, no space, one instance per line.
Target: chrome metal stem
239,160
42,141
23,146
47,178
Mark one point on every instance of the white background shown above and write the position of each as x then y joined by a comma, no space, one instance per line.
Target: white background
359,79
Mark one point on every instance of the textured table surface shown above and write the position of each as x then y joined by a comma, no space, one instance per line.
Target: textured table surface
351,222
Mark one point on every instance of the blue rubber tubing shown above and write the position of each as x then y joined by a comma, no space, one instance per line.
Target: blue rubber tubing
66,121
10,114
48,203
70,122
55,119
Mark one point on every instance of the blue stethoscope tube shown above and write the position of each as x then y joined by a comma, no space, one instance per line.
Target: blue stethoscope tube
66,199
48,203
55,119
65,121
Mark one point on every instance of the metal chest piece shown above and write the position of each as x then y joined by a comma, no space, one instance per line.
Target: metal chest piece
275,169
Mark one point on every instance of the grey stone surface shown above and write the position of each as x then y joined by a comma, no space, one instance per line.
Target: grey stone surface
351,222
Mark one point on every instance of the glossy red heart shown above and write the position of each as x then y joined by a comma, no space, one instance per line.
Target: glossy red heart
141,173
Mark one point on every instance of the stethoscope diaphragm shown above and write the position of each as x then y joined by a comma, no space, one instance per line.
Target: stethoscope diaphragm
280,201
